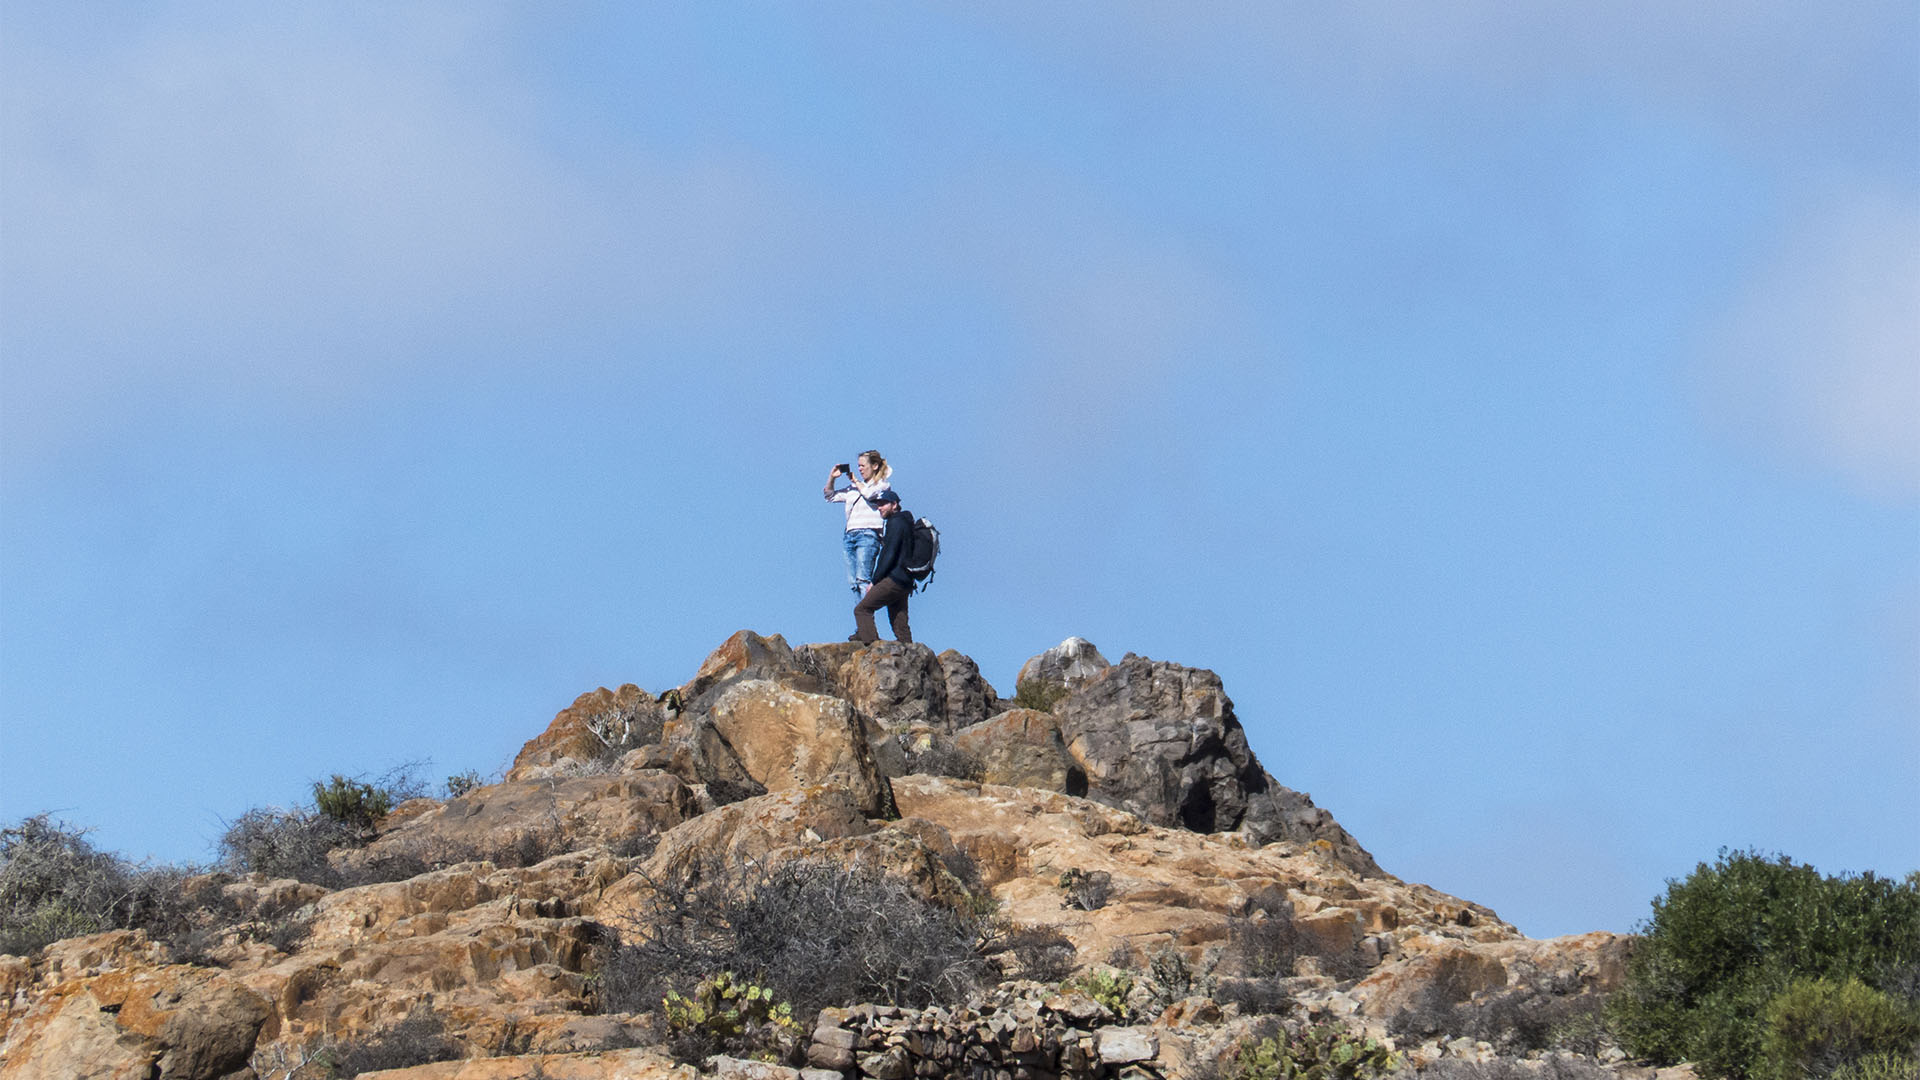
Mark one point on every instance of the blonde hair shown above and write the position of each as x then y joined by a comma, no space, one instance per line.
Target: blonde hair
881,470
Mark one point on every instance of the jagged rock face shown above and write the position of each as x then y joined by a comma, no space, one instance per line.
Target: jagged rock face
970,698
1161,740
898,686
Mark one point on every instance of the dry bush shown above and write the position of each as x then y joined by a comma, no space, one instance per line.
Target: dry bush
1540,1016
1043,953
816,932
54,885
418,1040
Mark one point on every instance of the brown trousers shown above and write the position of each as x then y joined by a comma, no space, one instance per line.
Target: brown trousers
886,593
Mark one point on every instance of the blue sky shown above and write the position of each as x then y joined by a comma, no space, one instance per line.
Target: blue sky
1518,406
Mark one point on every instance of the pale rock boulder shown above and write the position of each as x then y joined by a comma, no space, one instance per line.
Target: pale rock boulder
749,656
1593,963
165,1023
1174,887
1073,660
500,955
788,739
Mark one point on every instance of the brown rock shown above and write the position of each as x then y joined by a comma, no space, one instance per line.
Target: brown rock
897,686
788,739
747,655
1461,969
523,822
569,739
171,1023
753,828
1023,748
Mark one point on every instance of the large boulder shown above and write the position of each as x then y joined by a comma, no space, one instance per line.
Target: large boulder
745,831
787,739
747,656
525,821
167,1023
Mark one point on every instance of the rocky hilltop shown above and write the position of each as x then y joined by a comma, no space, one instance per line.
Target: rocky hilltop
1155,890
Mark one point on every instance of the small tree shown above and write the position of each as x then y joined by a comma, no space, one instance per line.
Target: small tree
1723,943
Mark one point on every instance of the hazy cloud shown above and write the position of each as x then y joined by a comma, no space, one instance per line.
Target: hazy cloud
1820,354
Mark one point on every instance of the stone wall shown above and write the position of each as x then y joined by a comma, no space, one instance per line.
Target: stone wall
1006,1037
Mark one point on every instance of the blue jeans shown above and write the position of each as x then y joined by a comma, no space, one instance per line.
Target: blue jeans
863,547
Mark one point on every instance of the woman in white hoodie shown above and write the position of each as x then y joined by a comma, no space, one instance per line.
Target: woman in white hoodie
862,540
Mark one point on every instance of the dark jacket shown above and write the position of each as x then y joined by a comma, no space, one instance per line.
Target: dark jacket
896,540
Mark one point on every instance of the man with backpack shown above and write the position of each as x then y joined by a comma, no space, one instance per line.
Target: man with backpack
892,580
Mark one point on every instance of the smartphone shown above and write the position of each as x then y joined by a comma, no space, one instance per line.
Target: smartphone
845,468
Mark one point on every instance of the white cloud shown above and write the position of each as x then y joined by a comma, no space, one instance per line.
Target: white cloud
285,209
1820,353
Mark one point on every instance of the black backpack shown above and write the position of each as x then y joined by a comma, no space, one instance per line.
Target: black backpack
924,548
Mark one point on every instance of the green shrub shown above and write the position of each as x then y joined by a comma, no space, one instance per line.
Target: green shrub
460,783
1724,942
1038,695
1107,986
1818,1025
1324,1051
352,802
727,1014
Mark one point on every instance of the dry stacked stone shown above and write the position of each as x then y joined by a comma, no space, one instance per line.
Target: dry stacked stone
1059,1036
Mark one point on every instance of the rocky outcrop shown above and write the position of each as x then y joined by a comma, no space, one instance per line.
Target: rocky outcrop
1161,740
1129,818
522,822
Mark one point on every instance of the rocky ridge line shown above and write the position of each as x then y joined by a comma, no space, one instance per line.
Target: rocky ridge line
1138,775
